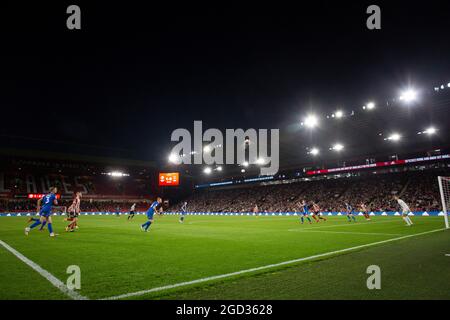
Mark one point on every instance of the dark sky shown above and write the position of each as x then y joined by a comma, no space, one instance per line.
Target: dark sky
134,73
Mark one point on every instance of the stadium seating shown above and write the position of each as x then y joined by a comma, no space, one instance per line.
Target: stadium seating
418,189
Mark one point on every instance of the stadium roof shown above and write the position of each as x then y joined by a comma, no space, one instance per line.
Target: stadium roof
364,134
55,156
128,84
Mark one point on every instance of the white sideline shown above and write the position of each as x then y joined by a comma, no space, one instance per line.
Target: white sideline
227,275
348,232
47,275
352,224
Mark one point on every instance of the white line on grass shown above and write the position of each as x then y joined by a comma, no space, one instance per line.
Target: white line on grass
349,232
316,225
270,266
47,275
447,255
350,224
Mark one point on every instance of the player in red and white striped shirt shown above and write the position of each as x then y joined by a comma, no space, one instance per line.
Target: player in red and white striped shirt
316,213
74,212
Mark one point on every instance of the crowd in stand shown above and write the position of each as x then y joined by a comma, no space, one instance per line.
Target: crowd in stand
27,205
418,189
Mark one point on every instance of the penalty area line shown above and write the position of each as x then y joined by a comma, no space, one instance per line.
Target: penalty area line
266,267
47,275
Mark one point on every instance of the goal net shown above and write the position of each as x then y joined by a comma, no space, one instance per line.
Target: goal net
444,189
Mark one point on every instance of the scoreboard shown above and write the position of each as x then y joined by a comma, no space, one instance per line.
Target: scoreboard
169,179
40,195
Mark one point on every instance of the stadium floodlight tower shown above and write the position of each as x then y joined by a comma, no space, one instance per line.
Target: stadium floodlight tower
444,189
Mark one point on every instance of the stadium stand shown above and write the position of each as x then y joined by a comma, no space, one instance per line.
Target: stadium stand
21,177
419,189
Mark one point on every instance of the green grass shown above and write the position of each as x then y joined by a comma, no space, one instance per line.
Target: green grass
115,258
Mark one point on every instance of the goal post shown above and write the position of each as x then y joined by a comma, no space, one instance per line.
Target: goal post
444,190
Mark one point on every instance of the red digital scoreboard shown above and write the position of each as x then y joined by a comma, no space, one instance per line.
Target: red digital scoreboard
169,179
40,195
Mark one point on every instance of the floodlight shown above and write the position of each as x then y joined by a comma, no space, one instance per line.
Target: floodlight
310,121
371,105
207,170
408,96
173,158
394,137
260,161
430,130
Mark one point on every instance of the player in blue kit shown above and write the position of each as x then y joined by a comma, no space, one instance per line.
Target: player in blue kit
37,219
44,207
305,213
350,214
150,212
183,211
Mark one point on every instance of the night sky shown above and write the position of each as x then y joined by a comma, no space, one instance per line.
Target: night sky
133,74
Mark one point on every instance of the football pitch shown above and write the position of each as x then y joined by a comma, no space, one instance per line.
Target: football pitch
232,257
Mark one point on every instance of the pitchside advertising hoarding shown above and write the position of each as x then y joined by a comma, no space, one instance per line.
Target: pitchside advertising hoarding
169,179
378,164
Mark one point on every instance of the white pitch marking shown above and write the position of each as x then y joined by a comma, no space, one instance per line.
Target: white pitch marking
270,266
47,275
344,225
349,232
447,255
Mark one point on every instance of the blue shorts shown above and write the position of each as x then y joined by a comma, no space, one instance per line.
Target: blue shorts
45,213
305,213
150,215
